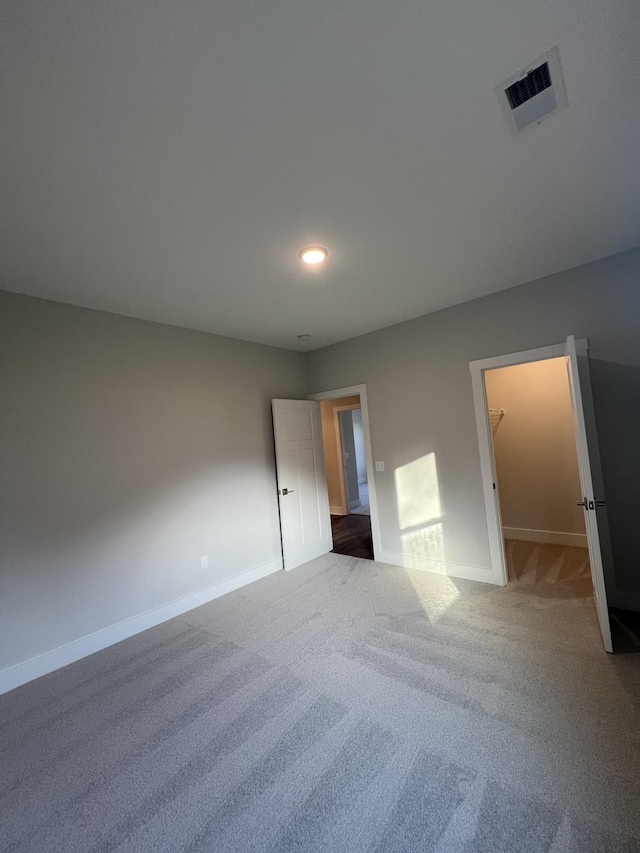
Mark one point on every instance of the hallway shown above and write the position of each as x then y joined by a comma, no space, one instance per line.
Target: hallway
363,492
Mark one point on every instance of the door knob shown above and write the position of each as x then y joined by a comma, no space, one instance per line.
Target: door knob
584,504
286,491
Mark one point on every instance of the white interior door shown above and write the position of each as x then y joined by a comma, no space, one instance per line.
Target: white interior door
590,478
302,484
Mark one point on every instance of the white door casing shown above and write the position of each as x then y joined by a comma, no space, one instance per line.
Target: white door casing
576,353
302,485
594,506
361,390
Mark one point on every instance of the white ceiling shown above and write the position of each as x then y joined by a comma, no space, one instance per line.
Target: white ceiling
168,160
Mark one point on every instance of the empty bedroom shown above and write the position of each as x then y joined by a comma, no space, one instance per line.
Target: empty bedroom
319,418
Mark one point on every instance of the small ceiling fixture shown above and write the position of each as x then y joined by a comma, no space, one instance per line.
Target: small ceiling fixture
313,255
303,337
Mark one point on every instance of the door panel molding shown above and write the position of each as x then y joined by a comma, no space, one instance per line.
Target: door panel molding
305,524
595,511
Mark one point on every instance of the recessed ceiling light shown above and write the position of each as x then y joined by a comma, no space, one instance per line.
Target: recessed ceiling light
313,255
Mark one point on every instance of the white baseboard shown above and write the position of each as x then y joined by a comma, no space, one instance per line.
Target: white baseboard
26,671
440,567
551,537
337,510
355,504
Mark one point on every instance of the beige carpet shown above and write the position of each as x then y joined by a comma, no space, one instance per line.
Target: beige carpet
552,568
345,707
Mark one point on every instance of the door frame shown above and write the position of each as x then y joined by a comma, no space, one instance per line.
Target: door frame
485,443
373,498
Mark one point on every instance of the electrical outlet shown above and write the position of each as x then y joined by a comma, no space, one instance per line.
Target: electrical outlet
204,562
379,466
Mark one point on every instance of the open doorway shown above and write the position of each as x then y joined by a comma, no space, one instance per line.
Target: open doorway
303,494
347,481
538,479
546,500
346,439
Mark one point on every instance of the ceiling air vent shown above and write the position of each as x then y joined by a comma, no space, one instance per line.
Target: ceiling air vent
534,93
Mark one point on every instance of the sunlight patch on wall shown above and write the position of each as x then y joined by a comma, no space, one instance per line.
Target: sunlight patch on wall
417,492
422,534
426,542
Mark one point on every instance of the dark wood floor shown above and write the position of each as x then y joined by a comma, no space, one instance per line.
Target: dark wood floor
352,535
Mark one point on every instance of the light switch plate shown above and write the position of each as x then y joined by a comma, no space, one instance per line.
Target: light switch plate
204,562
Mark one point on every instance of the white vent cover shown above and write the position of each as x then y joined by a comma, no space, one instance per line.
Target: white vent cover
534,93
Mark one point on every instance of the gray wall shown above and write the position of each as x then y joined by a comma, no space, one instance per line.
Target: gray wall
129,449
420,398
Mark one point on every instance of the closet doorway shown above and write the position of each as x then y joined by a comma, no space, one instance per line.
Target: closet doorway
537,476
541,472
